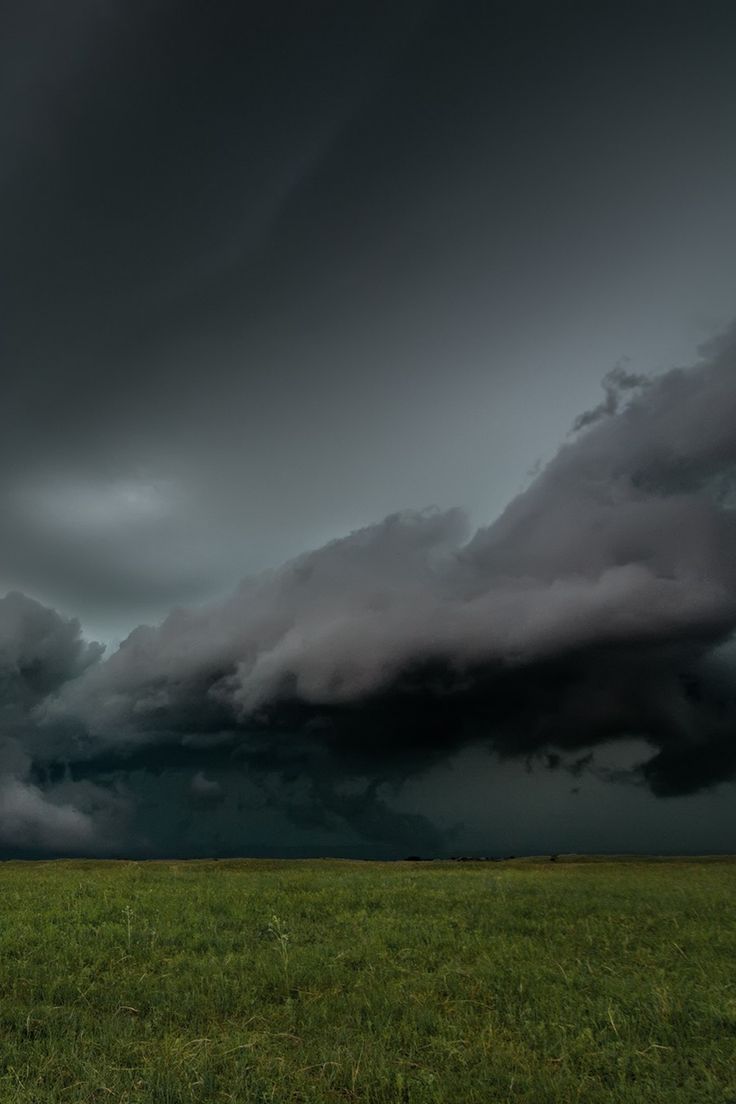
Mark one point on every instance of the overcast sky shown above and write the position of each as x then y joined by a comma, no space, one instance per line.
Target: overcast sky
273,271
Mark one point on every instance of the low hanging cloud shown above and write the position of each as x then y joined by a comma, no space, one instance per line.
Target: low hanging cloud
205,790
28,820
74,817
39,653
598,606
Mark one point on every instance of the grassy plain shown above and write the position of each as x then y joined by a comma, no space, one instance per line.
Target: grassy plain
373,983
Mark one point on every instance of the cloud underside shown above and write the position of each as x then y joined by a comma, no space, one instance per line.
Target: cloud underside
598,606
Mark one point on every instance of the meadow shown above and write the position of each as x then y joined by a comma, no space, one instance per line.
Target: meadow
379,983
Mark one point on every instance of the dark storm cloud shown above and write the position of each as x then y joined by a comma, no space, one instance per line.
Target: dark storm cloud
270,271
264,264
597,607
616,384
149,149
39,652
205,789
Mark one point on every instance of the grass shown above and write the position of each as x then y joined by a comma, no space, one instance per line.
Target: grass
329,981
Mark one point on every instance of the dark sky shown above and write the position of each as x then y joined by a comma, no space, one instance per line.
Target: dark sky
272,273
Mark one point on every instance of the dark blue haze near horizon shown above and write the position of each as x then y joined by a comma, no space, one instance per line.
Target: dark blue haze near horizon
432,303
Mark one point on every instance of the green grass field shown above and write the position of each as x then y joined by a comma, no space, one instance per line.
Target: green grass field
368,982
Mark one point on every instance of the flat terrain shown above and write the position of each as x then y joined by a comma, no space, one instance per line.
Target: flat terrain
368,982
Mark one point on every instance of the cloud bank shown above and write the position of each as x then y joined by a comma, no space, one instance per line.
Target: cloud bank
598,606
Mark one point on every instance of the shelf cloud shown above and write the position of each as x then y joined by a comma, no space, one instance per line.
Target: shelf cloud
597,607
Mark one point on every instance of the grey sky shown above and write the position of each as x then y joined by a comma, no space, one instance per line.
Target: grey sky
271,272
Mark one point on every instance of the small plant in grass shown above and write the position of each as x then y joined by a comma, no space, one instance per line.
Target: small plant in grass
128,916
277,930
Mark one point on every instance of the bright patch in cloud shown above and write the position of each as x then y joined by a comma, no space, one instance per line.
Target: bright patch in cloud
96,506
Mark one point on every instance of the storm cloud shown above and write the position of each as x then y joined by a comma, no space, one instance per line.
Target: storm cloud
272,273
598,606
